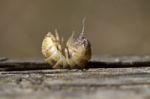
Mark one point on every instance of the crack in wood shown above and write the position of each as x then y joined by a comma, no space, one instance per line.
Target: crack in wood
102,62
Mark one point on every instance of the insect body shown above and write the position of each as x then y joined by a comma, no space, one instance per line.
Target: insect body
75,55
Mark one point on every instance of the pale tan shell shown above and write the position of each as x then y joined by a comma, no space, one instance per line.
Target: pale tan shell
76,54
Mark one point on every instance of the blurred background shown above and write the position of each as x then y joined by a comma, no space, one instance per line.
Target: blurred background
114,27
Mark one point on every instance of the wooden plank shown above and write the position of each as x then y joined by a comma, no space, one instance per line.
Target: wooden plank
71,84
106,81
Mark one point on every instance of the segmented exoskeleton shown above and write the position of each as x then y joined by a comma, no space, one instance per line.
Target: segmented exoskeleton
76,54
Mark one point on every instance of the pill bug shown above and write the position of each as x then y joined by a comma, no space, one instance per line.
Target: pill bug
75,54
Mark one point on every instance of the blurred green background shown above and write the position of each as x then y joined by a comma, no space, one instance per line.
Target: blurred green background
114,27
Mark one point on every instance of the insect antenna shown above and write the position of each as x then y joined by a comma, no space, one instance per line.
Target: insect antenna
83,26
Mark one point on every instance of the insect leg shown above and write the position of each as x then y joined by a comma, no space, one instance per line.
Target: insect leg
69,60
49,60
56,35
58,64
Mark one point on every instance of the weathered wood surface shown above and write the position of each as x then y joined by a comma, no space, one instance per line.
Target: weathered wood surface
111,78
100,62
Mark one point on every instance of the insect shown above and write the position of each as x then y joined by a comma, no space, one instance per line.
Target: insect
75,54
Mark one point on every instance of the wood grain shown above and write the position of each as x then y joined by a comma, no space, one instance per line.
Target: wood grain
112,78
